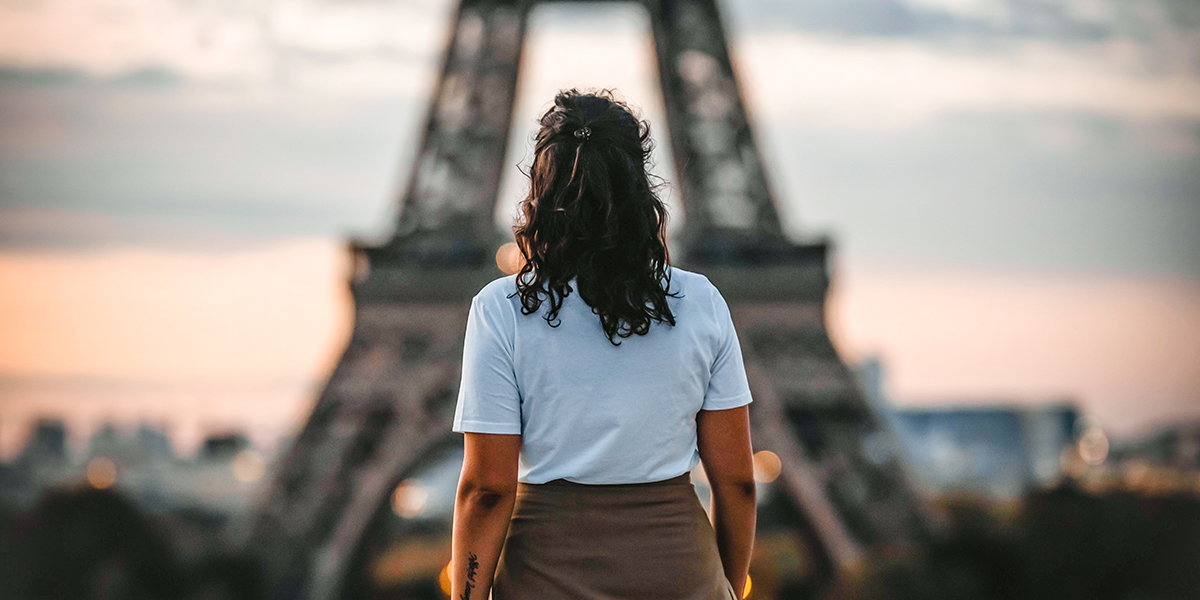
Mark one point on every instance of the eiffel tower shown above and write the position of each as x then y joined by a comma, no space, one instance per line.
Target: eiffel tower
389,401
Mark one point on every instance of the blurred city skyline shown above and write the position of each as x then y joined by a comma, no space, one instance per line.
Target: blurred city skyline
1012,188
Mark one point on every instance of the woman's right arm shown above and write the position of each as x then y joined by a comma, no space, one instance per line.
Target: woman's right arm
724,444
487,489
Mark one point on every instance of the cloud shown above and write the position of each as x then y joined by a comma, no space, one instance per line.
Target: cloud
793,75
902,150
384,46
871,83
170,166
106,37
201,228
260,40
1164,24
845,79
1023,191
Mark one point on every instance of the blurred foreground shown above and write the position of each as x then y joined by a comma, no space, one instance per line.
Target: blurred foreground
129,519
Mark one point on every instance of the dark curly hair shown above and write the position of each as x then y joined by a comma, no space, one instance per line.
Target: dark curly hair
592,214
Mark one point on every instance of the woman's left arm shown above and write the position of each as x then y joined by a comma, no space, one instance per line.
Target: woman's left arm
487,490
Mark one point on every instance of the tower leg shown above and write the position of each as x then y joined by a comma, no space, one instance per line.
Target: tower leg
392,394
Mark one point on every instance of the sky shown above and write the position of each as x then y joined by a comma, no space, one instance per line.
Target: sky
1012,189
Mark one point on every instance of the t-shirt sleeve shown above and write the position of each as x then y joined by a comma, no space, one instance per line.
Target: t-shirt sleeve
489,400
727,384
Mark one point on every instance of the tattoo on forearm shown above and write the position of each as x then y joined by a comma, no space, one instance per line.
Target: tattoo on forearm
472,567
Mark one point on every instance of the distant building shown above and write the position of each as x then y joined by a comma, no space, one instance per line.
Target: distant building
223,447
1176,446
997,449
140,463
153,443
47,444
106,441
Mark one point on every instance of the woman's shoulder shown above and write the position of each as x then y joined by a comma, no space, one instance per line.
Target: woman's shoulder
684,282
498,290
499,285
701,296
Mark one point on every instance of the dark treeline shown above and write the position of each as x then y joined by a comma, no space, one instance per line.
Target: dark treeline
88,544
1062,544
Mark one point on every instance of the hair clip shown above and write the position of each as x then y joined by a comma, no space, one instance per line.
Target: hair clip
583,133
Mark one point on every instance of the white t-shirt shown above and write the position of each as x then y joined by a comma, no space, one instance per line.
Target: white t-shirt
589,411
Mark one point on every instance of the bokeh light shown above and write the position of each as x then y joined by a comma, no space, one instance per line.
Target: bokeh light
444,579
1093,446
101,473
248,466
508,258
409,499
767,466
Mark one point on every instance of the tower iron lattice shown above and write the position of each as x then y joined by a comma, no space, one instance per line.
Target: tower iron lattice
391,397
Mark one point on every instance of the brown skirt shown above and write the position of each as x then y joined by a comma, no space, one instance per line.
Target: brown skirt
571,541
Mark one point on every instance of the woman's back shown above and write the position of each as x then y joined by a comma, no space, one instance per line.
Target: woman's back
590,411
593,380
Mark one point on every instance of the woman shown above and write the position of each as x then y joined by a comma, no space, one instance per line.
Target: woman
593,381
